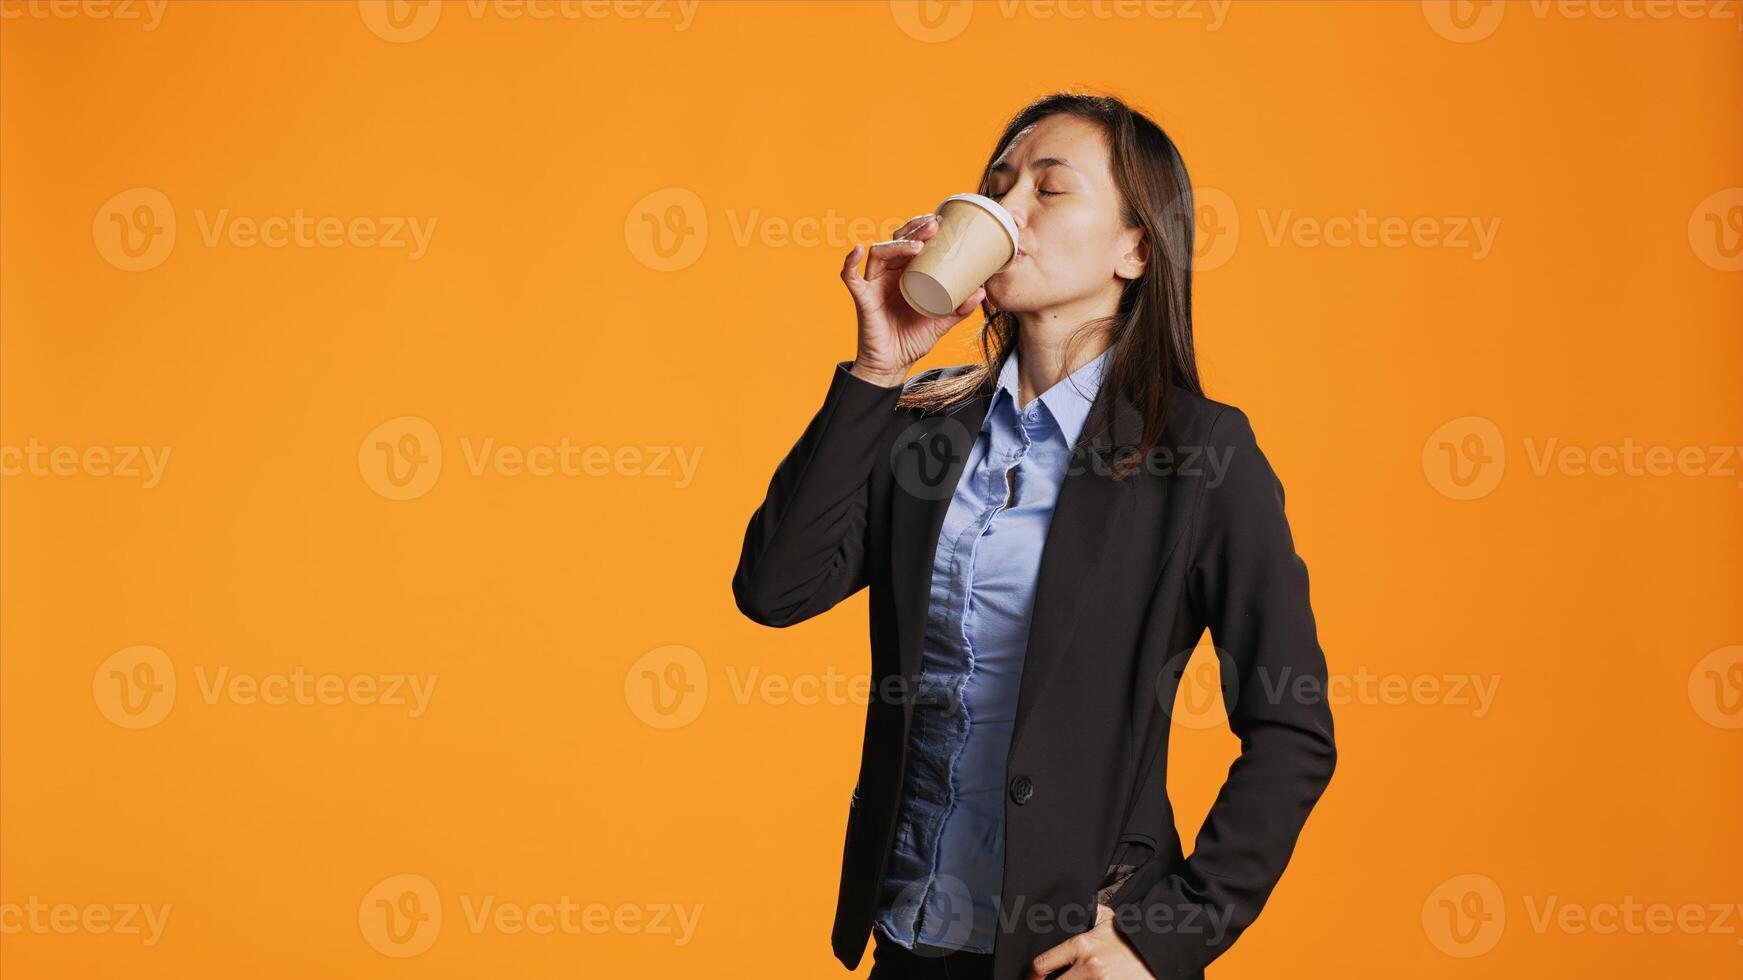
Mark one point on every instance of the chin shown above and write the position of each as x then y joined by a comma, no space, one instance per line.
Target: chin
1005,297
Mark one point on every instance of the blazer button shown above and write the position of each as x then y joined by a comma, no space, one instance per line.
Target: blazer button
1022,788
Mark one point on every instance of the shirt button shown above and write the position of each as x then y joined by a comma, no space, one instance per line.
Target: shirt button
1022,789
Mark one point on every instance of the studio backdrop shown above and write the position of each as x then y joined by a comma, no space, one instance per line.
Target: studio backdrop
385,388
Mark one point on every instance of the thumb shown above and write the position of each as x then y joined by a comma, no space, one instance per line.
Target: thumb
961,313
972,302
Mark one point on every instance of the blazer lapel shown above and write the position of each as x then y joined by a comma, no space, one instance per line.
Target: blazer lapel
928,459
1092,506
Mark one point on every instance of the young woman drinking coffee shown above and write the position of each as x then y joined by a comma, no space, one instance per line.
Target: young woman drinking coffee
1046,534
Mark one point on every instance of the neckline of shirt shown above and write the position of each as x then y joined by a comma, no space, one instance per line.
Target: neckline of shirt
1067,402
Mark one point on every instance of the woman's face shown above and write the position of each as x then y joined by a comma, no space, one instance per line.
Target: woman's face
1056,181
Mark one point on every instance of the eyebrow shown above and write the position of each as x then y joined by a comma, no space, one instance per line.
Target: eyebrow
1041,164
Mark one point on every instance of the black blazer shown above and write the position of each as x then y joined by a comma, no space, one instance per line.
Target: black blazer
1132,573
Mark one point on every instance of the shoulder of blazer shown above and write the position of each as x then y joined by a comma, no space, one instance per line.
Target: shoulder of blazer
1192,417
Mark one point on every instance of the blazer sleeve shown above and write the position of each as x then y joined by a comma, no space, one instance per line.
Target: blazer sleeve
1250,587
805,548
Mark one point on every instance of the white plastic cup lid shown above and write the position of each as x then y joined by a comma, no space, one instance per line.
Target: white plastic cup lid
992,207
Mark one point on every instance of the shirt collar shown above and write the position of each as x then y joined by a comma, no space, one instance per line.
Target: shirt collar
1069,401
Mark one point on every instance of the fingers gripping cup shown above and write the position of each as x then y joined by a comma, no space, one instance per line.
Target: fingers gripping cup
975,239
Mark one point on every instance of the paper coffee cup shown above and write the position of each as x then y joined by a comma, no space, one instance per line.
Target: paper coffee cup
975,239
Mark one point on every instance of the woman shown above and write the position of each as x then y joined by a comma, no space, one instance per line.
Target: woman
1046,535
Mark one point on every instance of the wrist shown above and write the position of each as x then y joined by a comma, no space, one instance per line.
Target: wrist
884,379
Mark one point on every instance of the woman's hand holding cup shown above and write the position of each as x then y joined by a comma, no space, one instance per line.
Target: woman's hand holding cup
892,334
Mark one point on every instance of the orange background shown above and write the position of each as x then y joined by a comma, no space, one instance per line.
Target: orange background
1605,153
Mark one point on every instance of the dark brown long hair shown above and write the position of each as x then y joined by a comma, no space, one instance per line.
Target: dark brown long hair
1151,330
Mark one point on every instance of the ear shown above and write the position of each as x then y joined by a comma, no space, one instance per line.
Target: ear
1136,256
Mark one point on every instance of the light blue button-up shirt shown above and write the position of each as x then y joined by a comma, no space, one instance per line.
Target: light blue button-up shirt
947,866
